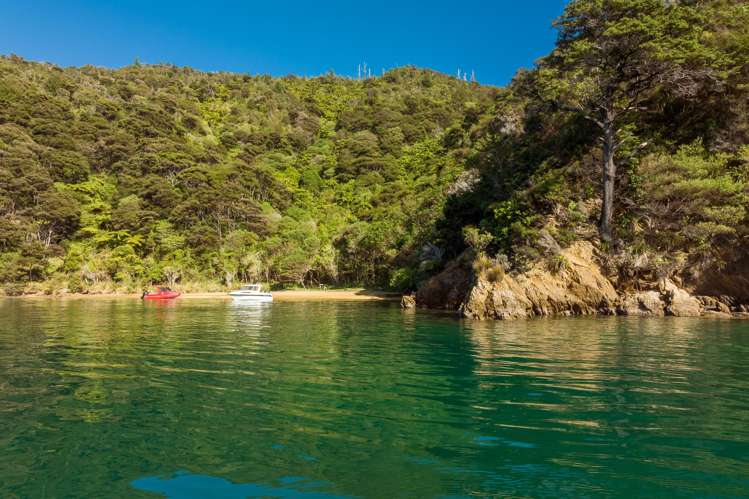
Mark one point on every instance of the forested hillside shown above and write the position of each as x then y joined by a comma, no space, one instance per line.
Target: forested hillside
631,134
115,179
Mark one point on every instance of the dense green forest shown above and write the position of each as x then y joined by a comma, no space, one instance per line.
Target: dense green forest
632,133
116,179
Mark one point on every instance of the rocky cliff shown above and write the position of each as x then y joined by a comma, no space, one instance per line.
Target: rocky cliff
577,287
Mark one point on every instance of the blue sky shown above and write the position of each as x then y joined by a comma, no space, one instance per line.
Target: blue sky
280,37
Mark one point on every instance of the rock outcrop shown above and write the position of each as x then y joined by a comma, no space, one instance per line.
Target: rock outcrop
576,287
579,288
717,304
448,289
408,302
668,299
679,302
644,303
730,281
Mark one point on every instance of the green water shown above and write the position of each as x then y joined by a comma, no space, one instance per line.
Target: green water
119,398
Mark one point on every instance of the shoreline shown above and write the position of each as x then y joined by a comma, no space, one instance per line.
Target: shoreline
283,295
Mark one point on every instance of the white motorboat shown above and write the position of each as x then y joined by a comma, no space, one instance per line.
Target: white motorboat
251,292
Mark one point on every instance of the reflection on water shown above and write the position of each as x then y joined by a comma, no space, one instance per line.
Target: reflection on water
188,486
112,398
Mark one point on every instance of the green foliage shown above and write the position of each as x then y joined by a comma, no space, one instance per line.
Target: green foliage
695,199
613,58
557,263
476,240
403,279
611,54
119,179
658,77
512,224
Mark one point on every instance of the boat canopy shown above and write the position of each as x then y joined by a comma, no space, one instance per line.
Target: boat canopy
251,287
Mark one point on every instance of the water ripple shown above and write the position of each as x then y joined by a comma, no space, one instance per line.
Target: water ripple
113,397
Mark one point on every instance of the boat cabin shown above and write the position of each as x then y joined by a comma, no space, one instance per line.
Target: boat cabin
251,292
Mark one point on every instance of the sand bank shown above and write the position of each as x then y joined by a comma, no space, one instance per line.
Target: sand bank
285,295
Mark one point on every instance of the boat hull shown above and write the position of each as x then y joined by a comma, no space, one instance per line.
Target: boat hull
251,298
161,296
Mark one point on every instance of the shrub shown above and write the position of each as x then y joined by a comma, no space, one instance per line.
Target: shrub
481,264
13,288
491,269
693,199
402,279
557,263
476,239
495,273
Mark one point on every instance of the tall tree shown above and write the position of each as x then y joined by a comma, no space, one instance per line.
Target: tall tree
613,56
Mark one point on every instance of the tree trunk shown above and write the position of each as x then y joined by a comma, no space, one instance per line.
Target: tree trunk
609,178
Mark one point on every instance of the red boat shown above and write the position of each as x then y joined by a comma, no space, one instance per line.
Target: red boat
161,294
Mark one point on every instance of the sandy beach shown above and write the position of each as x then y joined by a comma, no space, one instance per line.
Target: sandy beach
310,295
284,295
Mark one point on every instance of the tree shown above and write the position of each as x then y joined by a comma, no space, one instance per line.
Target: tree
695,200
162,174
613,57
59,214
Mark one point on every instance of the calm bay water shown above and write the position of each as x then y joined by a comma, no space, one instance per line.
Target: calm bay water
118,398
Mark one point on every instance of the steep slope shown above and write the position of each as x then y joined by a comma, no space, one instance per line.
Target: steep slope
678,242
111,179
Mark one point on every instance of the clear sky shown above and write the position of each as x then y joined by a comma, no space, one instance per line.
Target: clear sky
281,37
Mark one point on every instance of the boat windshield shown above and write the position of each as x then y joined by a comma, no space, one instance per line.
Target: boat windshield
251,287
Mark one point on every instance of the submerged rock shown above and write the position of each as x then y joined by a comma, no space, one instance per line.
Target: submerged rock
711,314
